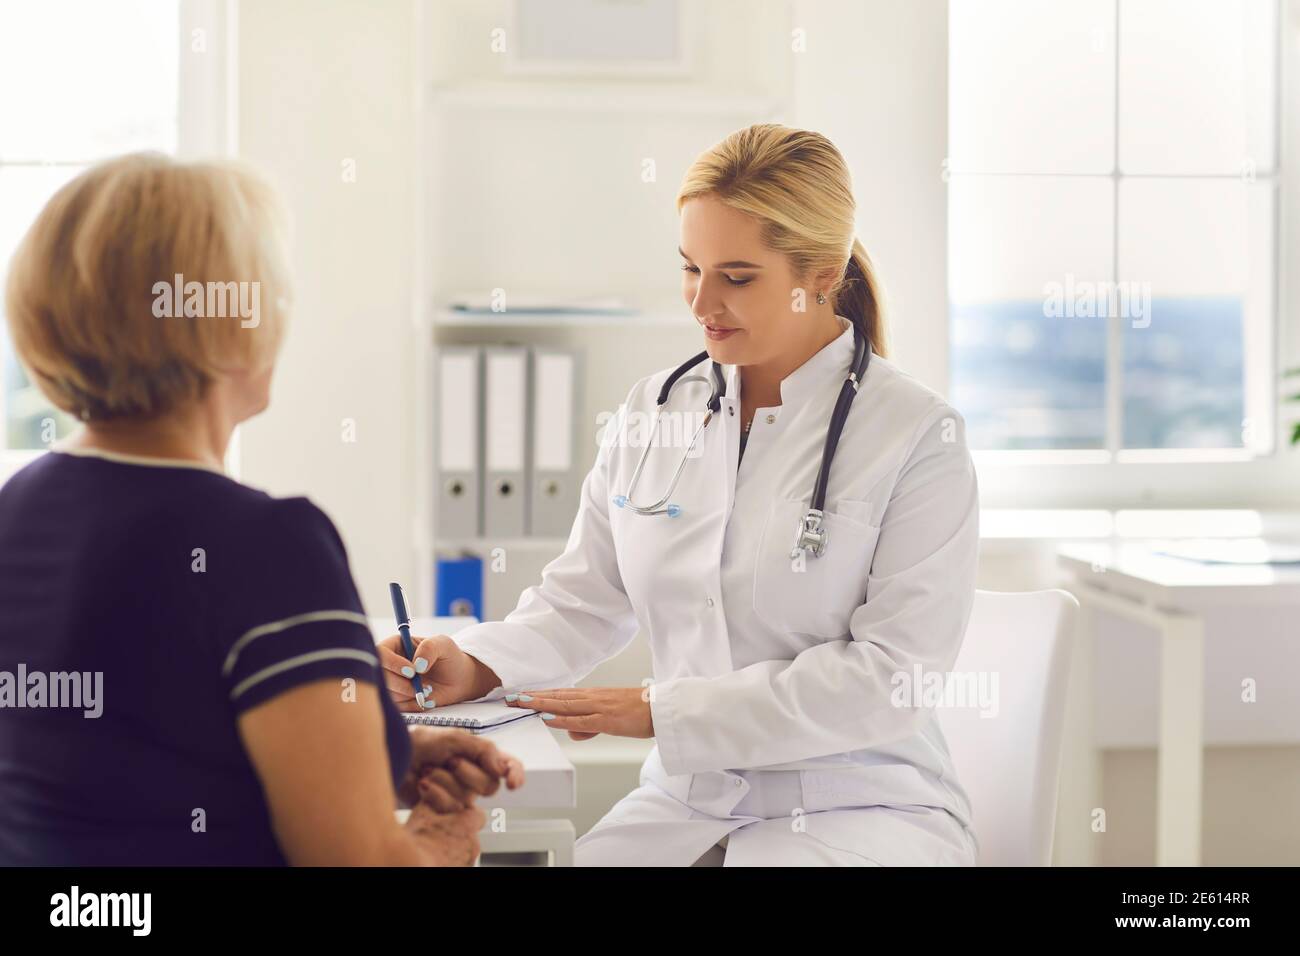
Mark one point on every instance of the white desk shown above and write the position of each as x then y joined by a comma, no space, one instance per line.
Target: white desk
549,777
1170,594
550,780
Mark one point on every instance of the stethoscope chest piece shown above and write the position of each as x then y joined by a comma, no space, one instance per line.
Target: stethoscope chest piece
811,536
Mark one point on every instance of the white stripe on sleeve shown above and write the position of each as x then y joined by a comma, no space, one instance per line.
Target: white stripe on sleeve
274,627
300,660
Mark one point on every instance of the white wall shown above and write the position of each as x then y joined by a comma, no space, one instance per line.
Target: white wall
874,79
321,83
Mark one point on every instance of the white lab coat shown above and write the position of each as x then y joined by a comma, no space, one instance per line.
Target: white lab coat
771,694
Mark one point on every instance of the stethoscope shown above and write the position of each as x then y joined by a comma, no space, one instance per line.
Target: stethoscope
811,536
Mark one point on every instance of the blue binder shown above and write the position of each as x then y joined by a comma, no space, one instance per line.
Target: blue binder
458,587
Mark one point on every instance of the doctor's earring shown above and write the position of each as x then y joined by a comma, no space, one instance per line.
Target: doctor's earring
821,298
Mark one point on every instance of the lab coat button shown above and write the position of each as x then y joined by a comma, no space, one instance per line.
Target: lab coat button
771,419
710,601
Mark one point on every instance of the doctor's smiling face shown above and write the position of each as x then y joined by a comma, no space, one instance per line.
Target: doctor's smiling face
743,293
770,260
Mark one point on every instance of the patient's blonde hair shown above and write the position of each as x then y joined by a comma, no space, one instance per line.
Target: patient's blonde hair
796,184
83,290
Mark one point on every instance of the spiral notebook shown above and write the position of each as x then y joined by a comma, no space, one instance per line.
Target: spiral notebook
478,718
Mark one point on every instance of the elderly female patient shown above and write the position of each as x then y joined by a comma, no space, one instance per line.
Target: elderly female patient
240,718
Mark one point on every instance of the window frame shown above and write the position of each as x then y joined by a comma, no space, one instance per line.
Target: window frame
206,126
1114,475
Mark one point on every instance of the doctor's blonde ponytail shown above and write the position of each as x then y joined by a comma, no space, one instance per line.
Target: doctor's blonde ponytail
796,183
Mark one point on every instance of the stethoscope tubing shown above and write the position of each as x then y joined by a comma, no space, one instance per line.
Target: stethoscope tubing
811,537
848,391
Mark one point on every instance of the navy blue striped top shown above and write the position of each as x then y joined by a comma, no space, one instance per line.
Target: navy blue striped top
143,607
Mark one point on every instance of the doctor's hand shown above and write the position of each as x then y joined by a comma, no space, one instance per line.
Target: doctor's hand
448,674
587,711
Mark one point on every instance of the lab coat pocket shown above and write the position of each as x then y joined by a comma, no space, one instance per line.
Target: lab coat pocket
859,511
808,595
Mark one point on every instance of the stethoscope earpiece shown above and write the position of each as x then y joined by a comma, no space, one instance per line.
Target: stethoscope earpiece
671,511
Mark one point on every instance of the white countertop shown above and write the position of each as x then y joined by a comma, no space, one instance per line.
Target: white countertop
1137,569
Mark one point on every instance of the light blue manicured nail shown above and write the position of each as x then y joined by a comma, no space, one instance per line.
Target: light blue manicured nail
525,699
407,672
421,665
429,703
511,698
548,716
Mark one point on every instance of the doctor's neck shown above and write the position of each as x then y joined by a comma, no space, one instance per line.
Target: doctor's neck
760,382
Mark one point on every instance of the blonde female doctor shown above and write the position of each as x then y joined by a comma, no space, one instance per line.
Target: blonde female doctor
785,731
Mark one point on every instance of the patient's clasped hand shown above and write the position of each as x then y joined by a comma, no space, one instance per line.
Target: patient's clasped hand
449,770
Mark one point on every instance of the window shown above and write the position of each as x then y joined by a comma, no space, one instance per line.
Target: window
82,80
1113,188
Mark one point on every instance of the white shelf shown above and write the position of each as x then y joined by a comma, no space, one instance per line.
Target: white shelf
455,319
541,542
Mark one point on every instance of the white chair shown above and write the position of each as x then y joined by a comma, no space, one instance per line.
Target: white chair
1010,764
